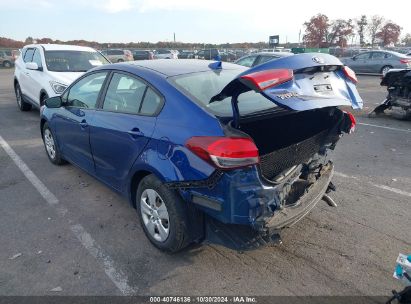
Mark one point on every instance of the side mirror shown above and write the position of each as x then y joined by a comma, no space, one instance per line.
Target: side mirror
354,58
54,102
33,66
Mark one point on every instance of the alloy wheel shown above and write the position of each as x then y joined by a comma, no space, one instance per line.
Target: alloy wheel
49,142
155,215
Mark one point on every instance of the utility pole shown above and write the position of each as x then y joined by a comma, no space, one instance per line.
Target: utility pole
174,37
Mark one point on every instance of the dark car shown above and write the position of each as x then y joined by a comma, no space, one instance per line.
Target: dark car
143,55
183,54
208,54
377,62
181,139
259,58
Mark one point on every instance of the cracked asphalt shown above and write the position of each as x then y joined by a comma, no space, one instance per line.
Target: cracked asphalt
348,250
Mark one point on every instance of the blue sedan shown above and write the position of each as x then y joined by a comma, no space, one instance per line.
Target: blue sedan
186,140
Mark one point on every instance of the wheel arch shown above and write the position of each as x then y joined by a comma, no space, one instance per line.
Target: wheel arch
43,92
42,123
134,183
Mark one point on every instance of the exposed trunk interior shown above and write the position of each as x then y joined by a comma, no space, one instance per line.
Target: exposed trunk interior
291,139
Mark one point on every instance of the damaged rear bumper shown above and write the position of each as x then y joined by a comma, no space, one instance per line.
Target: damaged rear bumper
287,216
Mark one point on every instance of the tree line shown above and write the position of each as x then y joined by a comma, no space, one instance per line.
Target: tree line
10,43
320,31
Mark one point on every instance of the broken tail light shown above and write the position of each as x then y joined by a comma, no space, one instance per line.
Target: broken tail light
350,74
225,152
352,122
260,81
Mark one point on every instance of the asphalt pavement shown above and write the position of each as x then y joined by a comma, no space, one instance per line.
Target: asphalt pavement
63,232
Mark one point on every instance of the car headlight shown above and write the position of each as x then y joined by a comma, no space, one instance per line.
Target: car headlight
57,87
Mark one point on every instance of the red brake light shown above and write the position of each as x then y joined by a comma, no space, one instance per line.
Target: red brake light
259,81
224,152
353,122
405,61
350,74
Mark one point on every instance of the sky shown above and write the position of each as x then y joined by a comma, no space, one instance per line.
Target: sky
207,21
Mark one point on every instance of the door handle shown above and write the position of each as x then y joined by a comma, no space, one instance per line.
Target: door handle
83,124
135,132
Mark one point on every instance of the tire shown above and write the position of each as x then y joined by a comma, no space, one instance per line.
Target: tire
51,147
385,69
120,60
7,64
21,104
163,217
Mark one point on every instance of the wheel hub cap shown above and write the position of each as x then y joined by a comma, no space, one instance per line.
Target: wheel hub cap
155,215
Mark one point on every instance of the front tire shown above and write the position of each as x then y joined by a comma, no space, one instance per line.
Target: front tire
21,104
51,147
163,215
7,64
385,69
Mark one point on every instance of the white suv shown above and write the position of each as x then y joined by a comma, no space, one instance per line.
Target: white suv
45,70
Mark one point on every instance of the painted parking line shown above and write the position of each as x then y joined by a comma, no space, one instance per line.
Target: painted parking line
119,279
384,187
384,127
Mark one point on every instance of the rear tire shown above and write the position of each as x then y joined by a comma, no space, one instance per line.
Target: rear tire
385,69
163,215
120,60
21,104
51,147
7,64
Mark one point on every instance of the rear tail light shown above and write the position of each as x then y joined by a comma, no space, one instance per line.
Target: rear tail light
350,74
353,122
260,81
225,152
405,61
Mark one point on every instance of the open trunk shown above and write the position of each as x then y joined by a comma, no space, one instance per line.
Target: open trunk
292,139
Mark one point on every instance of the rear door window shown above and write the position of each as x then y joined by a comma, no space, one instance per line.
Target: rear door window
124,94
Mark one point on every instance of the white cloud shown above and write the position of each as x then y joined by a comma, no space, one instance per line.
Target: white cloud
116,6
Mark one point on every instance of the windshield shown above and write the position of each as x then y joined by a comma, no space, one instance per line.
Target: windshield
201,86
73,61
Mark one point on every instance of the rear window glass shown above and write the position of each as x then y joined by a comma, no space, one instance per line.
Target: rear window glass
202,86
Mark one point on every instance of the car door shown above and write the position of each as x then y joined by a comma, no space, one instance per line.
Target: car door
35,78
24,72
73,121
122,126
360,62
376,62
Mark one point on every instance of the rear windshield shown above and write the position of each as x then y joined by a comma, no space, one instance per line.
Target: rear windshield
73,61
202,86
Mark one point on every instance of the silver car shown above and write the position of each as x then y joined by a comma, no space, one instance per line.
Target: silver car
259,58
378,62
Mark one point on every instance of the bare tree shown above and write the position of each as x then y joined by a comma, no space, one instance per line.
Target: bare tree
374,27
339,32
361,26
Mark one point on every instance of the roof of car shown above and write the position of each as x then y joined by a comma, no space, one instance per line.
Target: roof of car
274,54
63,47
173,67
